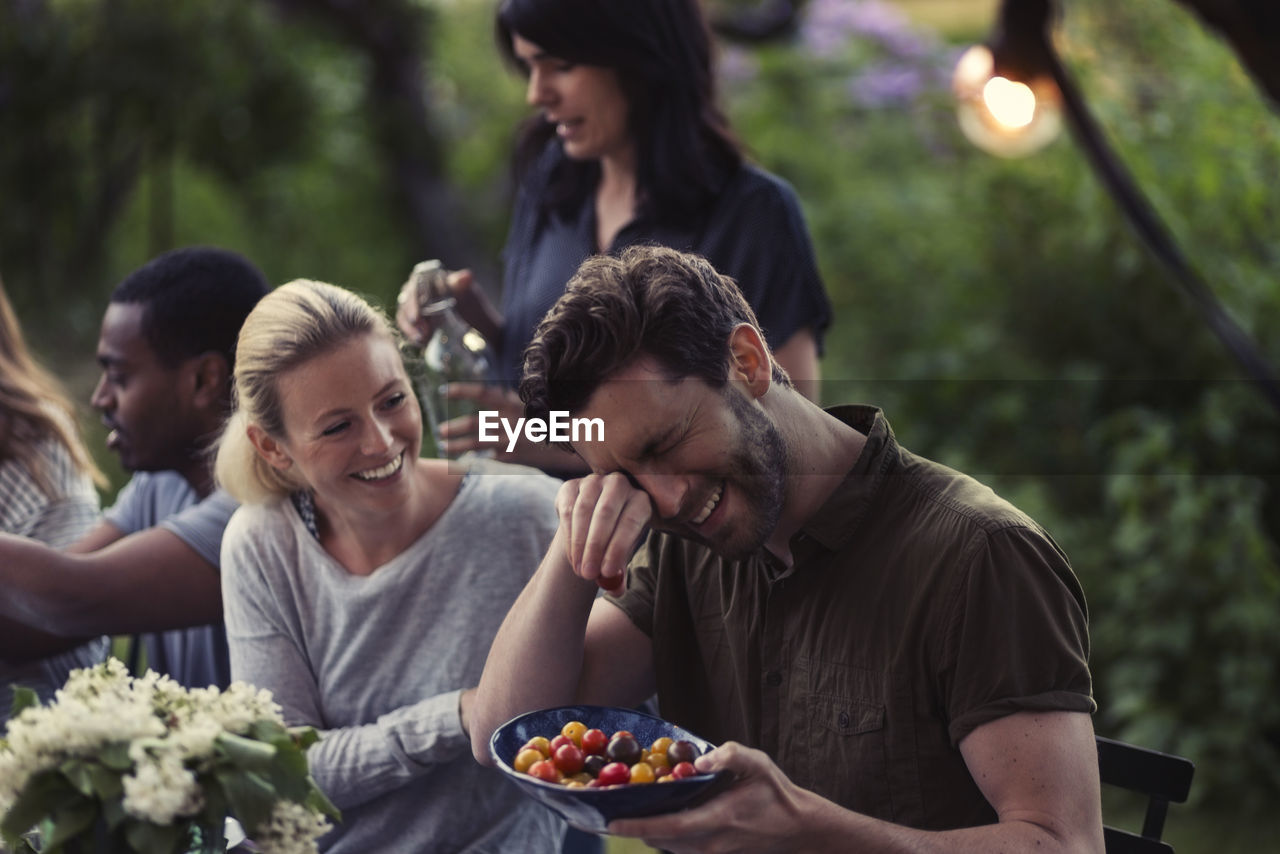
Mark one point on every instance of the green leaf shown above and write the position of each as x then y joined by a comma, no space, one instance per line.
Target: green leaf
113,812
304,737
216,806
107,784
267,730
251,797
70,821
245,753
77,773
318,801
288,773
154,838
116,756
23,698
43,794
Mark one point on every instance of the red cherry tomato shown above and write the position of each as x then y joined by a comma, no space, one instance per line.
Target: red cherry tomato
614,773
683,769
558,742
545,769
568,758
594,740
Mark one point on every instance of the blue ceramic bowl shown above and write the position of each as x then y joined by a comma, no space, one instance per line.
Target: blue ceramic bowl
592,809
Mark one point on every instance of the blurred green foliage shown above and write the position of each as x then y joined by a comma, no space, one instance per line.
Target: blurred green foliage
1001,311
1011,325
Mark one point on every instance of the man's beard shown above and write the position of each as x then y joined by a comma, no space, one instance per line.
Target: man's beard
758,466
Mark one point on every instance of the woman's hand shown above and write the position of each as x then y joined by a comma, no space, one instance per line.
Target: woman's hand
472,305
418,291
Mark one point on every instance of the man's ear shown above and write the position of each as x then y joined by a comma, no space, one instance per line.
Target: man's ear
269,448
211,379
750,362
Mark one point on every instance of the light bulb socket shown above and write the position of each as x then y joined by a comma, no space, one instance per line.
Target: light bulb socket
1020,41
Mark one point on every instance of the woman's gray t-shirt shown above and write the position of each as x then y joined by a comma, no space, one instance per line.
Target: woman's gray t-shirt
377,662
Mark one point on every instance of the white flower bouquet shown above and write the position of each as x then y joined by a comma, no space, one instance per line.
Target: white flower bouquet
116,763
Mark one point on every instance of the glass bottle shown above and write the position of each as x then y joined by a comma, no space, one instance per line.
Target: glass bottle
454,353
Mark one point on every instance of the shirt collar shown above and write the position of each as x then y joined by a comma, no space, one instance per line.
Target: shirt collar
837,519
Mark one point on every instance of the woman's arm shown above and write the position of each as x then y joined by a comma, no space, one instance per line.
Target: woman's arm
799,358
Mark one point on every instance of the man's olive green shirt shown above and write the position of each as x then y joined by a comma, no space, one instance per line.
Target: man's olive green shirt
919,606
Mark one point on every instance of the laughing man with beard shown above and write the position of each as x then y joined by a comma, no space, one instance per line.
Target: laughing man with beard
890,657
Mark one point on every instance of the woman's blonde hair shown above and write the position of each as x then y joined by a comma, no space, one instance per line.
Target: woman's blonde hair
34,407
293,324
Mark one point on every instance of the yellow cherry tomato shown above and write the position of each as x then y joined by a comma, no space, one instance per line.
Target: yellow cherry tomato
642,772
574,730
525,758
540,743
660,745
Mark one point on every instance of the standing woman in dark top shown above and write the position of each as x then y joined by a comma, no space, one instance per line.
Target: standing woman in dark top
629,146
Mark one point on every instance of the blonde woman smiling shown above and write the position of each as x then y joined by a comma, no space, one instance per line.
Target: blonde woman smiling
363,585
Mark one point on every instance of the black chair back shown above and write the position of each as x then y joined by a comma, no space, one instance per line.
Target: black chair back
1162,777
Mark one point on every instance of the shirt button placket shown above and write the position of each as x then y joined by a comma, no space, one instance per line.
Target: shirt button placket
773,656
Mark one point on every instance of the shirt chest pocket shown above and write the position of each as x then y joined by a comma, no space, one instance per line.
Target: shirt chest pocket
847,750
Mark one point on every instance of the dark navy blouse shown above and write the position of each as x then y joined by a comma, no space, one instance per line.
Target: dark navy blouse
754,232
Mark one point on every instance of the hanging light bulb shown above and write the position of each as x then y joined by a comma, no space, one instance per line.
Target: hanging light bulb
1006,100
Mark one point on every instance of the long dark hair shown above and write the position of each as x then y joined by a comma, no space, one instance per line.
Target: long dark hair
661,51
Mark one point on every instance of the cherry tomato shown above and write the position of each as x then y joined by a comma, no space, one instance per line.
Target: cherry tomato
593,741
525,758
660,745
545,769
540,744
558,742
681,751
642,772
593,763
623,748
568,758
681,770
613,774
574,730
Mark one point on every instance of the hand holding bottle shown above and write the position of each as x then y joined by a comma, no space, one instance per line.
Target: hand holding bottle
428,283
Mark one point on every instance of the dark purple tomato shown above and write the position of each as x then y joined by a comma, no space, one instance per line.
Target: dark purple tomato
681,751
624,749
593,763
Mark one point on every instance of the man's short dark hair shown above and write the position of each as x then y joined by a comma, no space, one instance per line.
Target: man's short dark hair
194,301
650,300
